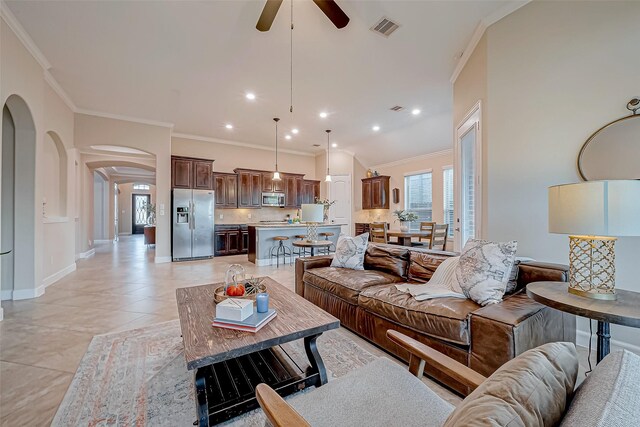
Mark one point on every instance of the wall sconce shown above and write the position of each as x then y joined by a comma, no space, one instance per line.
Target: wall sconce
396,195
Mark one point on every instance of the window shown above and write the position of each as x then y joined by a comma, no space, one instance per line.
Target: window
141,186
447,179
418,197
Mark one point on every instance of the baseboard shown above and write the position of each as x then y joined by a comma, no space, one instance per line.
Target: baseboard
102,241
87,254
582,339
162,259
268,262
1,314
28,293
125,234
58,275
6,295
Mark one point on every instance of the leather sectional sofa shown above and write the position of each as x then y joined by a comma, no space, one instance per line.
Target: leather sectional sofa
483,338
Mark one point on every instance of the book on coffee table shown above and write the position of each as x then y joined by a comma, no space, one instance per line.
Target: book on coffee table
253,323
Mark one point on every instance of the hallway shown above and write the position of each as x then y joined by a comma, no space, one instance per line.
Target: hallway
42,340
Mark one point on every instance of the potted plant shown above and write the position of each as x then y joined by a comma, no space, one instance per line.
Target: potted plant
151,213
405,218
327,204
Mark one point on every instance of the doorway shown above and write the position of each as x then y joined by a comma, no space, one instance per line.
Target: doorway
468,178
139,203
339,189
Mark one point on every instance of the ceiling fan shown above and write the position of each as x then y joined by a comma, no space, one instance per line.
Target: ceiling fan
328,7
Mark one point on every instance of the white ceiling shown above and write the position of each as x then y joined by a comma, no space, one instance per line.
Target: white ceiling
190,63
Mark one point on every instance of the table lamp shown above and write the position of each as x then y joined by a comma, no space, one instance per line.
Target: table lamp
594,213
312,214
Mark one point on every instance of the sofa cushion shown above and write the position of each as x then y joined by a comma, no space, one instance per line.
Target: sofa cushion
610,394
345,283
389,258
373,395
443,318
423,264
531,390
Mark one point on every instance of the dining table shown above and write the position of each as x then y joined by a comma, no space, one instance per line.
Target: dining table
404,237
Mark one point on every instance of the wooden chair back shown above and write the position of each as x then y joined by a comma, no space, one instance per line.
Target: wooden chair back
378,232
427,227
439,236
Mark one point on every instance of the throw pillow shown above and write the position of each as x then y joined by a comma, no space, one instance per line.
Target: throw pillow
350,252
512,284
484,268
531,390
445,275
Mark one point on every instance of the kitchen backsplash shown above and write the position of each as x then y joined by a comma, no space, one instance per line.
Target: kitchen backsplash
240,216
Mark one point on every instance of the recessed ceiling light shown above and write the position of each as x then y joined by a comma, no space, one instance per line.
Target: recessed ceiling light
415,111
287,137
323,115
250,96
375,128
229,126
334,145
294,131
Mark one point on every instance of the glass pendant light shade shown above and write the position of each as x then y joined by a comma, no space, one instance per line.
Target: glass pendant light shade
276,174
328,177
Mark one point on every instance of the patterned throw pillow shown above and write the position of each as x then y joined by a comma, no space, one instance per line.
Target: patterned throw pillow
484,268
350,252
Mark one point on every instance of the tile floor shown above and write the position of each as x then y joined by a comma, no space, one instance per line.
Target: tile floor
43,340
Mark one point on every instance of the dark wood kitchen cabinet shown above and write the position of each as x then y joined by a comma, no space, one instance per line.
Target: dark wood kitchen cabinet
375,192
292,188
226,187
249,188
191,173
269,185
231,239
310,191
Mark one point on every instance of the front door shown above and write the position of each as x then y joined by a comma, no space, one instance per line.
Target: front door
139,212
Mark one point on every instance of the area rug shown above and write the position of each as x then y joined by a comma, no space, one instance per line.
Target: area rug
139,378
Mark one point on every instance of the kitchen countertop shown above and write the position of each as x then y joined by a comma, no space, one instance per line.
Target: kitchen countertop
284,225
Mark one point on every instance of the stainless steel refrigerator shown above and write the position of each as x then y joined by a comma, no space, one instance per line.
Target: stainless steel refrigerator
192,228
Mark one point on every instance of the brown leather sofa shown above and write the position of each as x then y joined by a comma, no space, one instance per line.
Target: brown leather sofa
483,338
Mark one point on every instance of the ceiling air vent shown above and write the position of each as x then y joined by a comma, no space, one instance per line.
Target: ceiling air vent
397,108
385,27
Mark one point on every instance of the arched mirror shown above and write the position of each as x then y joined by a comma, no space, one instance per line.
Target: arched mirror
613,151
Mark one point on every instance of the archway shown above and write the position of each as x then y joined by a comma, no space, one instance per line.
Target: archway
18,200
54,176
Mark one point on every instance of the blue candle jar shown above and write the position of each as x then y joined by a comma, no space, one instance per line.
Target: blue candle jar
262,302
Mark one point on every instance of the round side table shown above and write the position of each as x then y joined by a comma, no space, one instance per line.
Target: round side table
312,245
624,310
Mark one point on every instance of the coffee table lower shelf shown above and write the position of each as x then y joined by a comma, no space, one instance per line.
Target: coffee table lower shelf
227,389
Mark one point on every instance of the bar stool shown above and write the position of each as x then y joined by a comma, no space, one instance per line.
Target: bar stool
280,249
326,235
301,252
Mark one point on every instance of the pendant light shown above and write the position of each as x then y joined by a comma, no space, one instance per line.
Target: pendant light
328,177
276,174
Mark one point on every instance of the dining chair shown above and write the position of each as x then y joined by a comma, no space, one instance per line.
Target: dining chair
378,232
426,227
439,236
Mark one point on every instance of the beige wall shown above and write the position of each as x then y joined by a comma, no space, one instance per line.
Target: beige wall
228,157
556,72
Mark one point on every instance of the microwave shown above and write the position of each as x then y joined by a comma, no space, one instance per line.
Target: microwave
273,199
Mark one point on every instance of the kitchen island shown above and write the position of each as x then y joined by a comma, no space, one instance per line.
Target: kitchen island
261,238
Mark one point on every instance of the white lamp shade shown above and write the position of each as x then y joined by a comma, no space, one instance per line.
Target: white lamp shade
312,213
599,208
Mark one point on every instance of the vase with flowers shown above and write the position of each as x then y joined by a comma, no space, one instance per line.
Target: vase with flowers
326,203
405,218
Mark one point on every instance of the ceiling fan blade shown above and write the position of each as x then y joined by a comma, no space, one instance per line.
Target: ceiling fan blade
268,15
333,12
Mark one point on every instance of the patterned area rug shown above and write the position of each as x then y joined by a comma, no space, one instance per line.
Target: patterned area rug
139,377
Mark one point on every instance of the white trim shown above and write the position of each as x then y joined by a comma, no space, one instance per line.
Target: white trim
1,314
102,241
23,36
238,144
54,219
59,275
485,23
444,168
6,295
127,233
420,172
53,83
413,159
582,339
162,259
19,294
85,255
123,118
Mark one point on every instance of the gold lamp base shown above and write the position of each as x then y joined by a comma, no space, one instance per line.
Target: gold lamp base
592,267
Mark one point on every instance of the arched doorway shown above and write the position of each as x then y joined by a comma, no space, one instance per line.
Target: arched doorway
17,221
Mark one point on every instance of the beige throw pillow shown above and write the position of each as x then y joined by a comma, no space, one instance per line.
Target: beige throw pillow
445,275
484,268
533,389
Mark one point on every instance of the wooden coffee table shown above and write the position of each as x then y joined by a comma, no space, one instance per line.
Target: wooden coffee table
230,364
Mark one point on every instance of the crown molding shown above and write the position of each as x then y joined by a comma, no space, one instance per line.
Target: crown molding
413,159
23,36
485,23
123,117
238,144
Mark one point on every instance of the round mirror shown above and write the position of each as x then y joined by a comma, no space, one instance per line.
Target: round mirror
612,152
